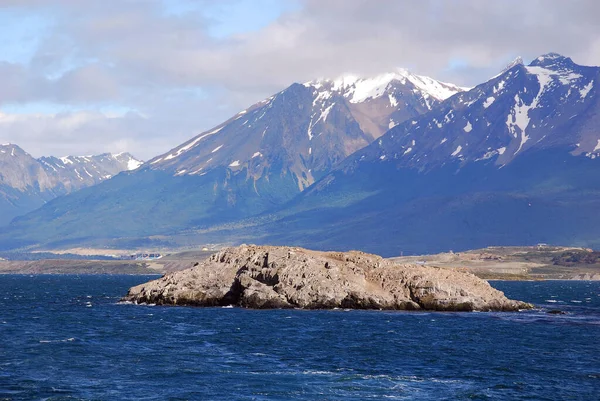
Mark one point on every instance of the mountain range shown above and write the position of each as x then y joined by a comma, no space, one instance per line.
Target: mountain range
391,164
257,160
27,183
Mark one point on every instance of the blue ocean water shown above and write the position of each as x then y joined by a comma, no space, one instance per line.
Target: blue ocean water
68,338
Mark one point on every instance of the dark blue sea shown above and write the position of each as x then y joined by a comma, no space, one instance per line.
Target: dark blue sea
68,338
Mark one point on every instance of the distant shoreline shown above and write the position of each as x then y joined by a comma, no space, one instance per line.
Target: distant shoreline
494,263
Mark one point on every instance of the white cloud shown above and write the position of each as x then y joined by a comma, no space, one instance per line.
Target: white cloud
166,66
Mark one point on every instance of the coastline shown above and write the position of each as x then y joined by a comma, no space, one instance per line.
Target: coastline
491,264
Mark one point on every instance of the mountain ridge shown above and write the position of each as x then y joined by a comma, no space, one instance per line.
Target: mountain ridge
27,183
362,110
515,153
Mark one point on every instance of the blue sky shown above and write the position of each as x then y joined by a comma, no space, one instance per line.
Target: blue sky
23,30
82,77
235,17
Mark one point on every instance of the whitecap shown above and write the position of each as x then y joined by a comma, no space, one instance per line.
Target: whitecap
70,339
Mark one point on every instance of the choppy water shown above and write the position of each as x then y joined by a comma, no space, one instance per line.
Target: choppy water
67,338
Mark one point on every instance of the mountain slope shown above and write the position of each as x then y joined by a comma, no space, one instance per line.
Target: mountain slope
27,183
512,161
254,162
307,129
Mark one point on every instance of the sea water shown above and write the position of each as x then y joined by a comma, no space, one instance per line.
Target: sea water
69,338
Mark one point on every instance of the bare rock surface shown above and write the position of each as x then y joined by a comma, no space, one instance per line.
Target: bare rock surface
286,277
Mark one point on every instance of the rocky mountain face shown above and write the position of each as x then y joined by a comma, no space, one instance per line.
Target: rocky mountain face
76,172
284,277
512,161
550,103
252,163
306,129
27,183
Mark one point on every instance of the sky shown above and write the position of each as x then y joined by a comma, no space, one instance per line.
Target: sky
86,77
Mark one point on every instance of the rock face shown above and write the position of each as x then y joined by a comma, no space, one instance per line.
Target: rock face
254,162
27,183
284,277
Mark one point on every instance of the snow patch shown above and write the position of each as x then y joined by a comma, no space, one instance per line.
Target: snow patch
322,96
499,86
448,117
407,151
325,113
501,150
358,90
488,155
235,164
457,151
196,171
488,102
468,128
544,74
369,88
443,140
257,154
520,112
133,164
216,149
312,123
586,89
597,146
190,145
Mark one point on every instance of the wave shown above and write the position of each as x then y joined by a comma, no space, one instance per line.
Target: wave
66,340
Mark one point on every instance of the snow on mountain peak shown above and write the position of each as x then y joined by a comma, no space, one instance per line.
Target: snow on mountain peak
554,61
133,164
517,61
549,58
358,89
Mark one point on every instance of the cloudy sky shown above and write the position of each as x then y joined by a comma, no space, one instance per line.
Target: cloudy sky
91,76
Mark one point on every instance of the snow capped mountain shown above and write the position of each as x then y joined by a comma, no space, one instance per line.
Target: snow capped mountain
513,160
252,163
19,170
357,89
75,172
552,102
306,129
27,183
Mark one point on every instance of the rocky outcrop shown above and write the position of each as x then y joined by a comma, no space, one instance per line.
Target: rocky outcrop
284,277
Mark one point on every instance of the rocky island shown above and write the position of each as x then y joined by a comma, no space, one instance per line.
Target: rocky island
286,277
